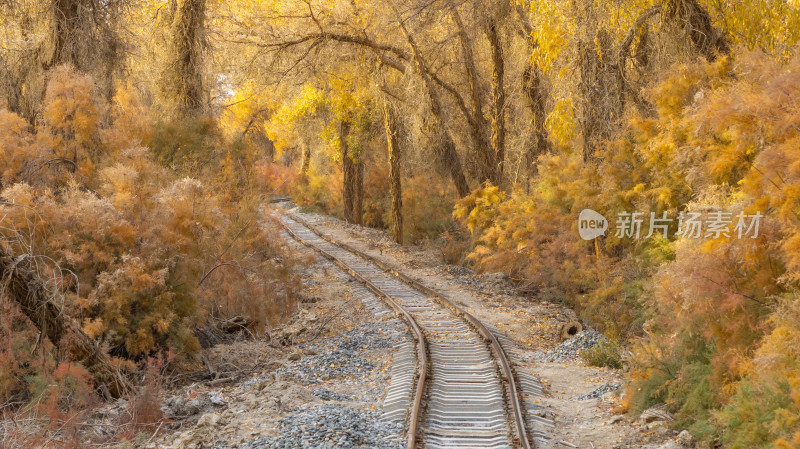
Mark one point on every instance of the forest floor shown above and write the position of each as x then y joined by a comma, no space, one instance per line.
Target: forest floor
320,380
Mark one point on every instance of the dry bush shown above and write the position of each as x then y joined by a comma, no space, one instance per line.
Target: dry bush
139,254
427,202
17,360
456,245
132,122
73,114
253,277
61,399
377,203
144,408
724,138
276,179
718,350
765,407
320,191
17,147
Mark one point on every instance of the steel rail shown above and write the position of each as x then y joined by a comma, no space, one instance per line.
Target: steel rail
417,334
507,373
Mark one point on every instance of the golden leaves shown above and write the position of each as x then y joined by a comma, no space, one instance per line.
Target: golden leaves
70,108
477,208
562,124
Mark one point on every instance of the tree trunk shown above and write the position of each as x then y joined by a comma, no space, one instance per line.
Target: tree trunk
601,90
348,194
306,164
498,103
452,162
705,37
534,94
268,146
478,126
185,82
395,186
358,190
19,284
348,174
65,20
445,150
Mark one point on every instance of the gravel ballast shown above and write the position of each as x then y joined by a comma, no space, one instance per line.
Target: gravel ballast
599,392
330,426
570,349
339,357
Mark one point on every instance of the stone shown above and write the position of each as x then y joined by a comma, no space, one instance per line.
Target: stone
210,420
657,413
217,400
181,407
685,438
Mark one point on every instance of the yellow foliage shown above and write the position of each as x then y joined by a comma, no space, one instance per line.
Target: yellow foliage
346,101
477,208
281,126
561,124
769,25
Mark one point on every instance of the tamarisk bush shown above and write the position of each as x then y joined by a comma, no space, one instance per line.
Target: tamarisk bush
706,319
140,255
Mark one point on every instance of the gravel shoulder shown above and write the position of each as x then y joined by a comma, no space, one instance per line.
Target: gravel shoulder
581,398
318,382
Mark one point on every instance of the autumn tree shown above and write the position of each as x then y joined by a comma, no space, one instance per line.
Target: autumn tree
79,33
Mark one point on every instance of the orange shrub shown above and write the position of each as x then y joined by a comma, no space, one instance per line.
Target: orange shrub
148,255
276,179
73,115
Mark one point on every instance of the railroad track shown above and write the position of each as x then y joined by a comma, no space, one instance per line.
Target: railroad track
456,388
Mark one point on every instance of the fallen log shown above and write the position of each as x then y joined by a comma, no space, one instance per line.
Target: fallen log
19,283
